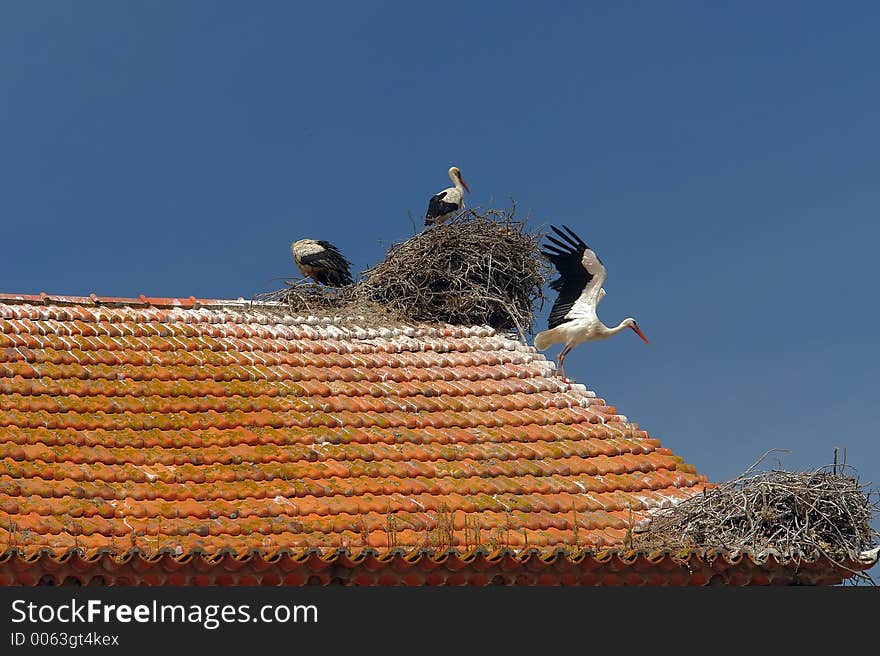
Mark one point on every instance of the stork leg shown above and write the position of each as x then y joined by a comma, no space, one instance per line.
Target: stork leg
562,355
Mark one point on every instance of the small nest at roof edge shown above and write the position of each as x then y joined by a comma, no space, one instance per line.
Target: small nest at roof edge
800,515
478,268
347,305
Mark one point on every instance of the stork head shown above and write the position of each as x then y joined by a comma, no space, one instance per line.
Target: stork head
455,176
302,243
303,247
631,323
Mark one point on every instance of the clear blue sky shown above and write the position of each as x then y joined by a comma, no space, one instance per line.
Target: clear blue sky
724,163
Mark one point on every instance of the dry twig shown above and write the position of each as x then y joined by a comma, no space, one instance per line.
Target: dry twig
480,268
800,515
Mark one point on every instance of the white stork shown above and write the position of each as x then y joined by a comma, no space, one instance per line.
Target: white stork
445,203
322,262
573,317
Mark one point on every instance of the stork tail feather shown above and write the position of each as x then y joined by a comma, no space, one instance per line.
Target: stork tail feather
547,338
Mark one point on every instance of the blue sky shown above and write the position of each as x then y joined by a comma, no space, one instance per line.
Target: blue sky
723,162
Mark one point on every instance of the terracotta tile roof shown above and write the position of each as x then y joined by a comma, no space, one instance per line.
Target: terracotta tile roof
191,428
478,567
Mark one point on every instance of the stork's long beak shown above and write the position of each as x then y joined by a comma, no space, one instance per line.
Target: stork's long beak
464,184
639,332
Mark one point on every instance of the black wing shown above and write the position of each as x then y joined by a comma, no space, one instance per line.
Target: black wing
332,268
437,207
567,256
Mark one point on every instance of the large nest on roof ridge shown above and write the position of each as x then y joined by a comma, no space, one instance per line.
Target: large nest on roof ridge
800,515
478,268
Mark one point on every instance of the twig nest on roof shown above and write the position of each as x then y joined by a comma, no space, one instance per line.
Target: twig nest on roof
800,515
479,268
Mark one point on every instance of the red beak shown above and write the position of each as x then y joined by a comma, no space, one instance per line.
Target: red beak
639,332
464,184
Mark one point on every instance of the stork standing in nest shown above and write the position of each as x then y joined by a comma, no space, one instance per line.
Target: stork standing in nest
573,318
322,262
447,202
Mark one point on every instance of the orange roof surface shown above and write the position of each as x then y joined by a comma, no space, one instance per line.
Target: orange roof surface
185,427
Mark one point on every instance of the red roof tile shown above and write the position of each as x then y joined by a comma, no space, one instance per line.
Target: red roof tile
396,567
173,427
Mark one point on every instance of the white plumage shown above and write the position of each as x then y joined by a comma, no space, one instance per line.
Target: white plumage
573,318
449,201
322,262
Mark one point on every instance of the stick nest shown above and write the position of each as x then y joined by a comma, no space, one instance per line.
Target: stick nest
800,515
480,268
